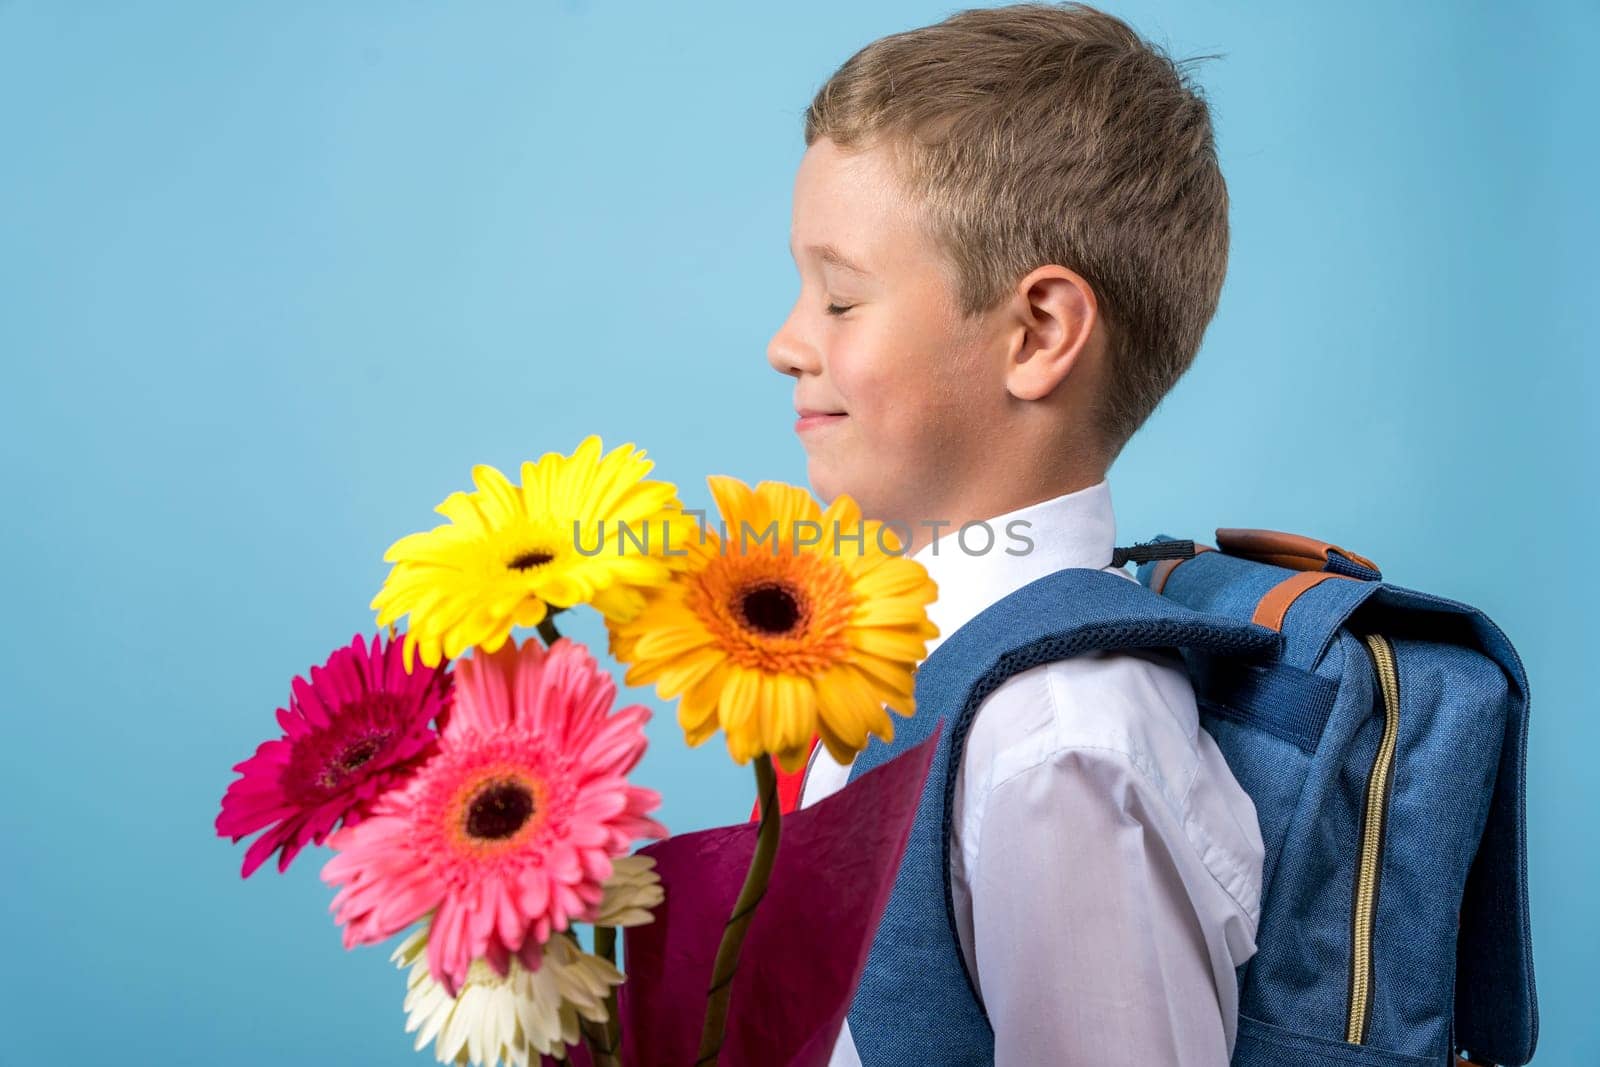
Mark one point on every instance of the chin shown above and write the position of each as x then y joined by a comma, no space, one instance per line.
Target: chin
828,484
822,481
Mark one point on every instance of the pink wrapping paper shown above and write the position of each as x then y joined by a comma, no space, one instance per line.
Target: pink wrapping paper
807,945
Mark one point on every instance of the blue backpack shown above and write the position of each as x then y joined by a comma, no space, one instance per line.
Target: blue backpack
1381,735
1384,748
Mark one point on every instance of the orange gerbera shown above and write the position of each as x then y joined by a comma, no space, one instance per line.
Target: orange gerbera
790,622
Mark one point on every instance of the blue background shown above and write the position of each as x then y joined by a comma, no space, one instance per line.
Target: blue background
272,278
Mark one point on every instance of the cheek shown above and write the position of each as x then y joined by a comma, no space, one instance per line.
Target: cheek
908,398
888,375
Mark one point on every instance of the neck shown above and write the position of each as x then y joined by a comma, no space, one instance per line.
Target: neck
986,502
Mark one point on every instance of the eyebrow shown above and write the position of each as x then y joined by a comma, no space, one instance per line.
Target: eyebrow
831,255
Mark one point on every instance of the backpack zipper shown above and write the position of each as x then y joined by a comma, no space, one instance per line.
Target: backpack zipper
1365,905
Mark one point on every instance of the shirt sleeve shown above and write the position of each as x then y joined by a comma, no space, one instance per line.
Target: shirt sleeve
1088,947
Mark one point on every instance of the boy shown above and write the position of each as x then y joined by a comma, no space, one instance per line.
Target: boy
1011,232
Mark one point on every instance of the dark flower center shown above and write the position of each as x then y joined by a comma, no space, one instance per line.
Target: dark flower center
351,759
499,810
771,608
530,559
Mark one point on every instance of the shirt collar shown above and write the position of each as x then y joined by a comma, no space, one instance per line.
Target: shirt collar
1076,529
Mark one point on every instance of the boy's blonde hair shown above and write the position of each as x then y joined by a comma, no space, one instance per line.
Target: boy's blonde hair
1037,134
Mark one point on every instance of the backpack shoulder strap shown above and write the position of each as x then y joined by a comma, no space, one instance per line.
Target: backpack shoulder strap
1061,615
1066,614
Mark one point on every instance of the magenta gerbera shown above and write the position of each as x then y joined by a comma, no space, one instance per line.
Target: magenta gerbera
508,832
359,727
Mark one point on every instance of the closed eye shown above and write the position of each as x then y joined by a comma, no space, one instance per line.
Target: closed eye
839,309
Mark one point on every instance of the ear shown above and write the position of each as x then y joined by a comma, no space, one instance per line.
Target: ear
1056,313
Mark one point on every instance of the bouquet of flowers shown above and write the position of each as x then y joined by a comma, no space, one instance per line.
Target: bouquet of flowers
473,786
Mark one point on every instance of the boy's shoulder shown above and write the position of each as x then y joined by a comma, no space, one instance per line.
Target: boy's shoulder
1132,717
1137,707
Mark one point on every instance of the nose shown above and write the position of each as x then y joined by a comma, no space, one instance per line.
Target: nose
788,352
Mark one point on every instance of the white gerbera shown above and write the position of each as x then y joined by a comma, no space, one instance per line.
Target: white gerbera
511,1018
630,893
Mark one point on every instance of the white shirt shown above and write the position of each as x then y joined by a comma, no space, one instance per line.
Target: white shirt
1105,864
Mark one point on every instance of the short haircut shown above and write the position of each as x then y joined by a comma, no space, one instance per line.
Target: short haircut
1043,133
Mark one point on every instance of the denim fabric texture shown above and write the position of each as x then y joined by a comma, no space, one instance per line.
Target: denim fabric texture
1300,717
1451,952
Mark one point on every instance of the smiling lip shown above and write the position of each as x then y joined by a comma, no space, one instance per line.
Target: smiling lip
811,419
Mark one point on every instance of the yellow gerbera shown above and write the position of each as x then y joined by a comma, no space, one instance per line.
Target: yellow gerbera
789,622
584,528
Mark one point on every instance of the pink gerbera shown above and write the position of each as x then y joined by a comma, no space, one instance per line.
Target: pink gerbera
508,832
360,726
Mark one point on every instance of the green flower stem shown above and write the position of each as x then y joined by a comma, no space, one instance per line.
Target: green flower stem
547,629
602,1053
605,946
755,887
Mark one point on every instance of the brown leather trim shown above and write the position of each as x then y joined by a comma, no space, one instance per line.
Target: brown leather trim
1164,569
1280,598
1283,549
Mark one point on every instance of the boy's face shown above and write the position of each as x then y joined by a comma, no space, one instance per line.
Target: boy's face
905,387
